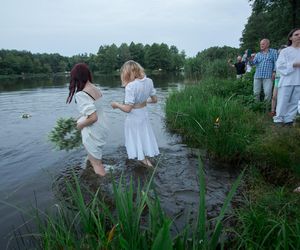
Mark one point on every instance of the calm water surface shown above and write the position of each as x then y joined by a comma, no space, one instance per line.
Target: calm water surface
28,162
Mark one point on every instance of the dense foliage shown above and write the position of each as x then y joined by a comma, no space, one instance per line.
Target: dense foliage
211,62
108,59
272,19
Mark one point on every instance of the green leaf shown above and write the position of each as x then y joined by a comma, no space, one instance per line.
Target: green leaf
163,239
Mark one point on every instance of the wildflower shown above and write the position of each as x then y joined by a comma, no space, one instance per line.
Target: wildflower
217,123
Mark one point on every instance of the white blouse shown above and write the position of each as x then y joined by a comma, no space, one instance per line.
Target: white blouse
289,75
139,90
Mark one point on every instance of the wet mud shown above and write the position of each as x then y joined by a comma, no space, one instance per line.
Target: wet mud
175,181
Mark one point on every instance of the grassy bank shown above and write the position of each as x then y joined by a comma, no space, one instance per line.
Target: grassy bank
221,116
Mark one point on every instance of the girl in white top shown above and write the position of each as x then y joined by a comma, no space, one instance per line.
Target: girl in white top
92,121
288,65
140,140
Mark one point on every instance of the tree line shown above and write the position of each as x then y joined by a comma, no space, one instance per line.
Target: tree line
108,59
272,19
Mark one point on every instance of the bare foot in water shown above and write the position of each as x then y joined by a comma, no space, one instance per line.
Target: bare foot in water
97,166
99,170
147,163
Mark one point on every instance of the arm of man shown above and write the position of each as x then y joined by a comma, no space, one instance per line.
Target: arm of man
230,63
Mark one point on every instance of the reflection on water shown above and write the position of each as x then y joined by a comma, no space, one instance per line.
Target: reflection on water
21,83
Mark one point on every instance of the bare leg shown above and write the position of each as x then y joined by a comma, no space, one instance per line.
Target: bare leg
97,165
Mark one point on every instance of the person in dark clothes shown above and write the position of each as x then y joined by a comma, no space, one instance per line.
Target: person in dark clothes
240,67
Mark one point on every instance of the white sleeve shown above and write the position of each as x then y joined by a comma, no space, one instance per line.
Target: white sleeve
153,90
283,65
129,94
85,104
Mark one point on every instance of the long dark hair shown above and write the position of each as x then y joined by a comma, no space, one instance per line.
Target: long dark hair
289,43
80,75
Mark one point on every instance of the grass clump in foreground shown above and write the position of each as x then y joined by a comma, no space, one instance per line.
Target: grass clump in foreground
136,222
270,217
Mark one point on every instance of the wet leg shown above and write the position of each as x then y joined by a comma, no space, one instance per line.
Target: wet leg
97,165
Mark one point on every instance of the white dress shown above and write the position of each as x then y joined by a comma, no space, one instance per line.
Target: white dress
140,140
93,136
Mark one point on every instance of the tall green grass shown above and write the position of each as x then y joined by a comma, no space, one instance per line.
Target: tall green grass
269,219
279,148
221,125
137,221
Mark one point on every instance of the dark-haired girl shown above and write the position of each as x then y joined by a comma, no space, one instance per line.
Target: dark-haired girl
92,121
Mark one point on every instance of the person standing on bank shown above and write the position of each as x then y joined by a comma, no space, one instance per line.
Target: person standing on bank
265,70
275,88
140,140
240,67
92,122
288,65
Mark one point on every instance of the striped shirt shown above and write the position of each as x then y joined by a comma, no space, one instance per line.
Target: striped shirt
265,63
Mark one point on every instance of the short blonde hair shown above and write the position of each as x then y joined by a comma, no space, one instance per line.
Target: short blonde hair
130,71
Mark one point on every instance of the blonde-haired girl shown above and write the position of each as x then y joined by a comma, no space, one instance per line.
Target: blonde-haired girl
140,140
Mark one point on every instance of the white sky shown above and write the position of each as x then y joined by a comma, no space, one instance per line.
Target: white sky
71,27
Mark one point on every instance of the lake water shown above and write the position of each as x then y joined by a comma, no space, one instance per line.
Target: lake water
29,164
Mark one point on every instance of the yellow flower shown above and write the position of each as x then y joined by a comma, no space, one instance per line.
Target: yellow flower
111,233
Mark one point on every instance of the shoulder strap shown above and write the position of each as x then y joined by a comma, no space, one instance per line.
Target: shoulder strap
89,94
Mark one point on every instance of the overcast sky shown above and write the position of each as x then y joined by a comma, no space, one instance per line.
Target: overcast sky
71,27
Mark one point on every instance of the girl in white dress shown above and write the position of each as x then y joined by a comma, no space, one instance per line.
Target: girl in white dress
140,140
92,121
